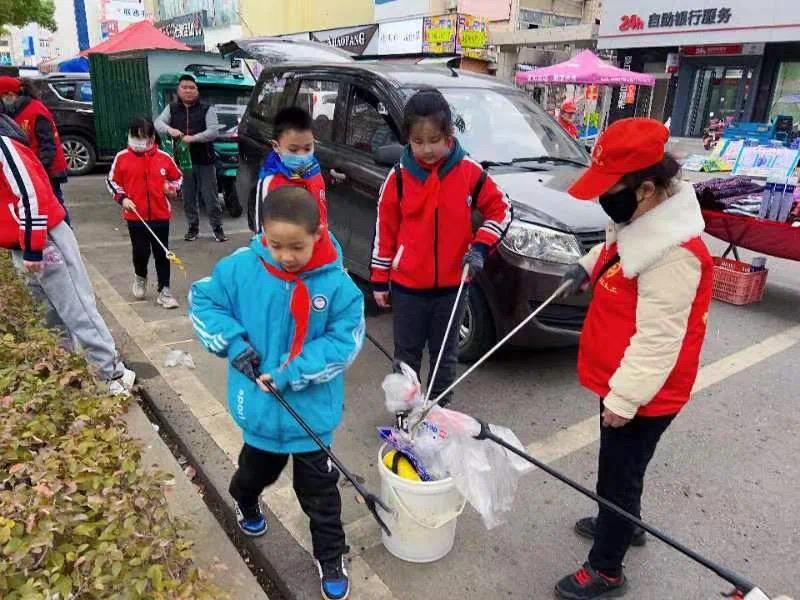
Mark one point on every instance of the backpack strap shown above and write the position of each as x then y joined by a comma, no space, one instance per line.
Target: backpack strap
398,175
479,185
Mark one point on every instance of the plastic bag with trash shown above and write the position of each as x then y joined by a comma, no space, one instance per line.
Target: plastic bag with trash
444,445
179,357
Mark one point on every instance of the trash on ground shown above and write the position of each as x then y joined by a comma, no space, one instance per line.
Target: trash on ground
179,357
445,446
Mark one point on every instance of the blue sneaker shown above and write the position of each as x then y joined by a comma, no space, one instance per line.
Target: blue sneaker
251,520
333,578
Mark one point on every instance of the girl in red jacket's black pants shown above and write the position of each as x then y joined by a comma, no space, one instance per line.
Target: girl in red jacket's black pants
424,234
142,179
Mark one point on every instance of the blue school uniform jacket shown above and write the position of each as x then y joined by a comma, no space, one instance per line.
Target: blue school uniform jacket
243,303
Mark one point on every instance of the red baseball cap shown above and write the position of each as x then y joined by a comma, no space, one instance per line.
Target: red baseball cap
10,85
629,145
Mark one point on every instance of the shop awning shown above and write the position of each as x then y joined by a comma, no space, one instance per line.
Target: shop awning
585,69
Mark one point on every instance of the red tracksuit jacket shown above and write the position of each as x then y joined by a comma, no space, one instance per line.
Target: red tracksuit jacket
421,238
141,177
28,206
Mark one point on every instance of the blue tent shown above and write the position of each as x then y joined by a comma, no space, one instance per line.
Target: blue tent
79,64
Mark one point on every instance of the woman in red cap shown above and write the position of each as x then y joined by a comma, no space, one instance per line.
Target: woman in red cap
566,117
640,346
20,103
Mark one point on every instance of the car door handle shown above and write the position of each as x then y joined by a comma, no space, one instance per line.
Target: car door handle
337,176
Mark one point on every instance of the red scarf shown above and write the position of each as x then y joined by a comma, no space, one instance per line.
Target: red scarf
300,303
429,200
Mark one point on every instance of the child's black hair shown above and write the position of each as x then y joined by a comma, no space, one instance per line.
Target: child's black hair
187,77
292,117
142,127
428,103
291,204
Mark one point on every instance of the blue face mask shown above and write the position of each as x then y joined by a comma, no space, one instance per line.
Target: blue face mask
298,163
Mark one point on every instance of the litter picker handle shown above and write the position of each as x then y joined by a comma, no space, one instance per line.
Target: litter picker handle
494,349
155,237
370,499
738,581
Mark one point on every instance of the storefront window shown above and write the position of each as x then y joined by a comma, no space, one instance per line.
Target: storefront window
718,93
786,99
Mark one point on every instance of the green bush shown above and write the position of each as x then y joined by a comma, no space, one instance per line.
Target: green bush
80,516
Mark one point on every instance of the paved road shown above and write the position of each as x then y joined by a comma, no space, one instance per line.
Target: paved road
724,480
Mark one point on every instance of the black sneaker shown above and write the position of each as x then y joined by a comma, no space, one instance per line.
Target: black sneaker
191,235
588,584
588,527
334,582
219,235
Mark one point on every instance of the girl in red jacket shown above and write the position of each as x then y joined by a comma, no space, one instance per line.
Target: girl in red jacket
424,234
142,179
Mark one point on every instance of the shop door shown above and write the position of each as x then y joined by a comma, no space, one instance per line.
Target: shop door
717,92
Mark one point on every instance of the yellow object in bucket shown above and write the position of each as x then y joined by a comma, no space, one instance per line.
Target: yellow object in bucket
399,464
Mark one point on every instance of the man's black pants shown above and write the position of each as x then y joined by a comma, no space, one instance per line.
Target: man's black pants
143,244
420,319
624,455
314,478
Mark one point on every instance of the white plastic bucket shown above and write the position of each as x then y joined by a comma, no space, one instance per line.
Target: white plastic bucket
423,523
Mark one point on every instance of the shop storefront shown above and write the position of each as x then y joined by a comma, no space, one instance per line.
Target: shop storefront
734,61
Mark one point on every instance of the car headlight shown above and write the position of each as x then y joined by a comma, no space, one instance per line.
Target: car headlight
542,243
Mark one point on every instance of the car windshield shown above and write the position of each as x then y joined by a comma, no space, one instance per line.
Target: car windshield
501,126
230,105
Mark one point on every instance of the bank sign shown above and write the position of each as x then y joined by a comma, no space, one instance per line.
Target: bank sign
658,23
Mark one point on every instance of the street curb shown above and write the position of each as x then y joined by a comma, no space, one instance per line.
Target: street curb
289,568
213,553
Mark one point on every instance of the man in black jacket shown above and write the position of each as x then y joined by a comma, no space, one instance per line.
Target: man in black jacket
196,124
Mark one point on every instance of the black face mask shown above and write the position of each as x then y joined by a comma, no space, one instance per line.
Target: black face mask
620,206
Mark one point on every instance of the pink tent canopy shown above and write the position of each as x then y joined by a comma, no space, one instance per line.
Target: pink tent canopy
586,69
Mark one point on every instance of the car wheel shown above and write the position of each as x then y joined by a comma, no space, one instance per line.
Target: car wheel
476,334
231,198
80,154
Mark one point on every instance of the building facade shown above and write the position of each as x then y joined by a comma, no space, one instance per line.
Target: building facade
734,60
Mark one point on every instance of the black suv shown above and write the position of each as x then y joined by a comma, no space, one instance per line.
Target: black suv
524,149
69,98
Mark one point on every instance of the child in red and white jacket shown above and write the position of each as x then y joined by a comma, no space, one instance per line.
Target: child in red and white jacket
142,179
44,247
424,235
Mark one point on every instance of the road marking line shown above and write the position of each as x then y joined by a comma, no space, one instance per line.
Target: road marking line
214,418
189,341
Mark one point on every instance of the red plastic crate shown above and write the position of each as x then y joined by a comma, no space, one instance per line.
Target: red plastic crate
736,284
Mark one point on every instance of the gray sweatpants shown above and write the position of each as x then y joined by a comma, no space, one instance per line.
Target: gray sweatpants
200,185
63,284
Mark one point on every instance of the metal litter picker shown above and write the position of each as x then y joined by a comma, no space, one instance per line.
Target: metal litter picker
370,499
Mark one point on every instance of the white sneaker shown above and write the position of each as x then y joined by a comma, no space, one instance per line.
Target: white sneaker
166,299
139,287
116,388
128,378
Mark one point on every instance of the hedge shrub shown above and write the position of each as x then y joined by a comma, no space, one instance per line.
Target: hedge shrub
80,516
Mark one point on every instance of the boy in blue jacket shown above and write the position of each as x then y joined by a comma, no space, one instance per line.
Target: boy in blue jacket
284,310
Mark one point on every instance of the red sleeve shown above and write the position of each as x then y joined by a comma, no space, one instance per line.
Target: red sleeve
115,180
386,229
494,207
174,174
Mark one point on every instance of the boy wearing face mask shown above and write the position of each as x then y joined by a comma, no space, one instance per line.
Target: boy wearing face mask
291,162
142,180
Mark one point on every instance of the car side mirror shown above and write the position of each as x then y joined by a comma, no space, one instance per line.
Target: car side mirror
387,156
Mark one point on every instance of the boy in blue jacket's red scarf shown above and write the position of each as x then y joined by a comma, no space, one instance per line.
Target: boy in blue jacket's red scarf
284,310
